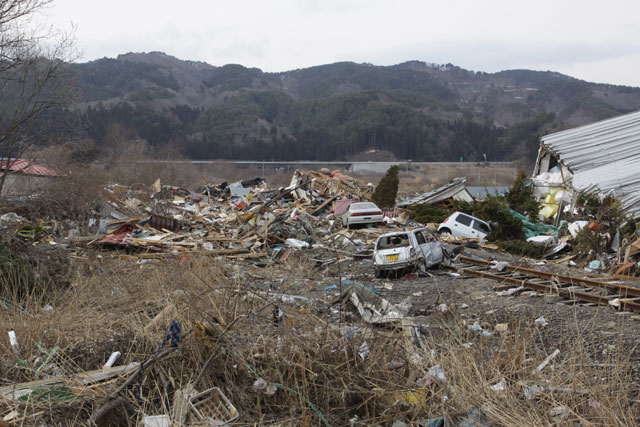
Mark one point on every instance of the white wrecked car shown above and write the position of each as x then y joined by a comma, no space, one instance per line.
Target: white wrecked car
462,225
362,213
407,251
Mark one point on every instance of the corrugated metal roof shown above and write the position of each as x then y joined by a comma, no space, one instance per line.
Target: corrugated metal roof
27,167
441,193
494,190
604,157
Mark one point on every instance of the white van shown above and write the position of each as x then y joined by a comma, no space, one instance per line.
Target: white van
462,225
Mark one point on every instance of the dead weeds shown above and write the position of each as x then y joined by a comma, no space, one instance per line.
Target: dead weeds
320,363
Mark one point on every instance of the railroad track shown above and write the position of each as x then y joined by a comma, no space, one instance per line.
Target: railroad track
576,289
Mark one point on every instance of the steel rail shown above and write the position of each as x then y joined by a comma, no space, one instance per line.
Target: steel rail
557,286
622,290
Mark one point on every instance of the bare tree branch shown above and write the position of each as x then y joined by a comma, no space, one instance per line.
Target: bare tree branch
34,77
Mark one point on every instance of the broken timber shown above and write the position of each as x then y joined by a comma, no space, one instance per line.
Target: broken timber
13,391
574,288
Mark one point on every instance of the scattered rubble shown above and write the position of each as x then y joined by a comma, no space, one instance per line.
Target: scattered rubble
243,303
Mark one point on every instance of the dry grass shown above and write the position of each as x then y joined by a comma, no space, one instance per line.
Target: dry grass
477,175
320,377
427,177
311,354
418,178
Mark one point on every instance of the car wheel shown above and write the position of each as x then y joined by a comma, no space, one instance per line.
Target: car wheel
378,274
444,232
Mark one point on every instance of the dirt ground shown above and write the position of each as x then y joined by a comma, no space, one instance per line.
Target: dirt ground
586,336
112,298
474,299
600,330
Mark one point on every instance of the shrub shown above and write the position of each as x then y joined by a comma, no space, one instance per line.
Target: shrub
16,275
426,213
31,272
464,207
608,215
504,226
521,247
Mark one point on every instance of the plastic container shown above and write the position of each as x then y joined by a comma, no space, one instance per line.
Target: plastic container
156,421
213,405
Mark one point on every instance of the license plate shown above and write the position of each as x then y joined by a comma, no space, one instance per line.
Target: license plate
392,258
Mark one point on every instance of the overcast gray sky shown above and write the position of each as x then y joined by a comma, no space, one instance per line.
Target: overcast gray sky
597,41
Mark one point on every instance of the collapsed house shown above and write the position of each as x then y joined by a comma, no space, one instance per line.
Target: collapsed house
481,193
442,196
25,177
599,158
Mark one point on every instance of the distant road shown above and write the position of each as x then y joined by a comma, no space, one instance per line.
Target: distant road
354,166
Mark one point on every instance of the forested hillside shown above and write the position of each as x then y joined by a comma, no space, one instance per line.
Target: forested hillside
415,110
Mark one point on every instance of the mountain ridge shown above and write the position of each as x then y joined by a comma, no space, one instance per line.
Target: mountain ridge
415,109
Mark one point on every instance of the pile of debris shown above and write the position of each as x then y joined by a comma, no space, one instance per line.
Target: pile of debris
244,219
214,324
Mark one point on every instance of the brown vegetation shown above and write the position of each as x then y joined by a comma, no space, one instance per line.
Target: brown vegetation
323,363
315,364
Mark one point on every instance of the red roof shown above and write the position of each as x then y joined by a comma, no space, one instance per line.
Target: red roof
27,167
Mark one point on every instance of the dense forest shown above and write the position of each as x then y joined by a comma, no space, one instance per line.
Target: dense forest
414,110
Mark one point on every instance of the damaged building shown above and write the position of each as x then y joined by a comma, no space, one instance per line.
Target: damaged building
442,196
25,177
599,158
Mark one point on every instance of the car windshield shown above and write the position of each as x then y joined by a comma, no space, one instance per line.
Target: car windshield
363,206
395,241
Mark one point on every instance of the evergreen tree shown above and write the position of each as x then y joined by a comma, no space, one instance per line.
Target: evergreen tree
520,197
387,189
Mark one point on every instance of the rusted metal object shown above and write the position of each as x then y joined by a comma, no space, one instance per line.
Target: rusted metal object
580,289
160,222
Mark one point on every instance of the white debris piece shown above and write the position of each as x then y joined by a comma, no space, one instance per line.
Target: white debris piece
13,341
156,421
112,359
558,413
575,227
541,321
296,244
546,361
510,292
499,265
437,373
543,240
500,386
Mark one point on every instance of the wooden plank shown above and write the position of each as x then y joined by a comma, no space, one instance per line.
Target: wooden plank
14,391
323,205
91,377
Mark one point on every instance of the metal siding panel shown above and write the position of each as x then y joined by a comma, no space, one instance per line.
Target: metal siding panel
604,157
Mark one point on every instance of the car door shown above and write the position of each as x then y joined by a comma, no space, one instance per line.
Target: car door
430,248
433,249
421,246
462,226
481,229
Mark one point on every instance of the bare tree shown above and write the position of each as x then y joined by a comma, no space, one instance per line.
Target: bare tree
34,78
